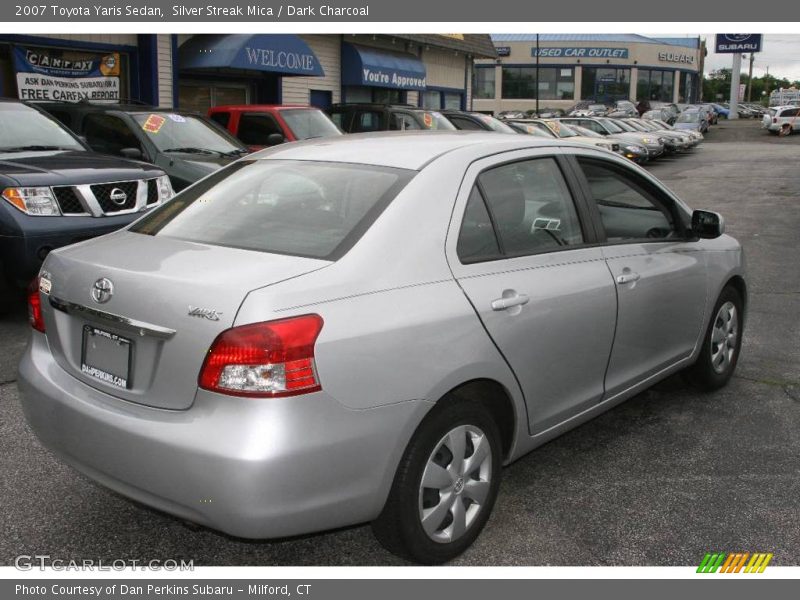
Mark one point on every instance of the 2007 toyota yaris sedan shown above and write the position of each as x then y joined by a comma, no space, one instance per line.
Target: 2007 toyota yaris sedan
368,328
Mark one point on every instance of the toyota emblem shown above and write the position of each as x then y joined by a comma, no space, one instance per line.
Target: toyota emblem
102,290
118,197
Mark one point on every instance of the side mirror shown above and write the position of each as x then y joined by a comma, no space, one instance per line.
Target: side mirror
273,139
133,153
707,225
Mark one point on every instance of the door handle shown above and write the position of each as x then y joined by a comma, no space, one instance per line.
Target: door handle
510,301
628,278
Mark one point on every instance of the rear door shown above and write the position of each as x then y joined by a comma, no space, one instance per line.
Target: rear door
520,248
658,269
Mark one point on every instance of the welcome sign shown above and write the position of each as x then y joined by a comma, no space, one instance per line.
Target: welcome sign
45,75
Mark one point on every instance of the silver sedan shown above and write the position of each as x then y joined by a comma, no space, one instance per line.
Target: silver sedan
369,328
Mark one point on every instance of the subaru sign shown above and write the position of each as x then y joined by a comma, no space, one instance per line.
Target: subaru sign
734,43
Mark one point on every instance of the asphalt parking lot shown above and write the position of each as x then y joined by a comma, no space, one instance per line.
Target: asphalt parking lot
659,480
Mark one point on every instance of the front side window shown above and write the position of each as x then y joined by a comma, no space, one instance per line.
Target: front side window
531,207
299,208
402,122
256,128
108,134
628,211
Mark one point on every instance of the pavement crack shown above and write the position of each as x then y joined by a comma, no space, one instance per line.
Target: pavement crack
792,392
8,381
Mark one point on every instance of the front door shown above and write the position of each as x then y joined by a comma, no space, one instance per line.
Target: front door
658,271
546,298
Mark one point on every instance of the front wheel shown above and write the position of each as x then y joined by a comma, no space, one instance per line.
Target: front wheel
722,343
445,486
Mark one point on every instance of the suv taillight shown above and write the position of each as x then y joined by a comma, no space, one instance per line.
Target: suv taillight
269,359
35,317
774,119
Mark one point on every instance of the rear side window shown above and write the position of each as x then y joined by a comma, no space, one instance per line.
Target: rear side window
789,112
300,208
477,240
367,121
463,123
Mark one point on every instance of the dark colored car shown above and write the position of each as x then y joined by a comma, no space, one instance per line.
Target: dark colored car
476,121
359,118
56,192
262,125
186,145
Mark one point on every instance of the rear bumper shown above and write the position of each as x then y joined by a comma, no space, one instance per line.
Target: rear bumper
255,468
27,239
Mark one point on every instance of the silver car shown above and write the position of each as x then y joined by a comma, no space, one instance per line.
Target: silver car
368,328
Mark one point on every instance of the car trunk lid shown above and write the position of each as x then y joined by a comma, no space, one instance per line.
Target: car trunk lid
145,310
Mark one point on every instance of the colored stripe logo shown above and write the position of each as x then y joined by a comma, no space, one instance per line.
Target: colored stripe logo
734,562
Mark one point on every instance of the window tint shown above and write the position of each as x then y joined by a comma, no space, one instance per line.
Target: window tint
367,121
531,206
627,210
476,240
254,129
300,208
789,112
108,134
402,122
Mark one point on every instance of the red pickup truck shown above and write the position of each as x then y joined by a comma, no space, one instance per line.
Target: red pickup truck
262,125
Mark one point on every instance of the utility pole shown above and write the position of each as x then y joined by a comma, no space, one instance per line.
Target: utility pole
537,75
766,83
750,78
736,73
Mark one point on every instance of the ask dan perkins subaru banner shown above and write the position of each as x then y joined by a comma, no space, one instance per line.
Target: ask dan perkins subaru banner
44,75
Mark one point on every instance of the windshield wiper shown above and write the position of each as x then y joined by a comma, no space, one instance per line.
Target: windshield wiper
191,150
33,148
234,153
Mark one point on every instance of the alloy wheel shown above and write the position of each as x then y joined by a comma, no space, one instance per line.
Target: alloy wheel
723,337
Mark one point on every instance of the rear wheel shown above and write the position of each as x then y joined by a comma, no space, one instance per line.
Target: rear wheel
445,486
723,341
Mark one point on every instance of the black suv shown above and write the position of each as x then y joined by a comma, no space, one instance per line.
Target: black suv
55,192
186,145
360,118
463,119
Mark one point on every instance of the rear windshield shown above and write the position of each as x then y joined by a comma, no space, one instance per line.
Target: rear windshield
300,208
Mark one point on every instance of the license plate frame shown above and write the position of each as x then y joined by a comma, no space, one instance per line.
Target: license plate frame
107,357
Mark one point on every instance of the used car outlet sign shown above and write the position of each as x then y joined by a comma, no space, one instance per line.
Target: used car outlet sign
554,52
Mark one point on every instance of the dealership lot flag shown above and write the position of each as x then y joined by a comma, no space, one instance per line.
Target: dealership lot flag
43,75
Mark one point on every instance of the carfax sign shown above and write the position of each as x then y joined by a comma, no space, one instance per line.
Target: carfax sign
44,75
733,43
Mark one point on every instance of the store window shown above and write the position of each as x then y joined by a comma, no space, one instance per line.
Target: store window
483,85
452,100
431,99
605,84
437,100
687,90
200,96
364,94
554,83
519,82
655,84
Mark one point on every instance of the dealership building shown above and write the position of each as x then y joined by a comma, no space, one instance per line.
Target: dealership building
563,69
195,72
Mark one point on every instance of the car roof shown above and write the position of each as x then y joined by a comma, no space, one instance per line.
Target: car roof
399,149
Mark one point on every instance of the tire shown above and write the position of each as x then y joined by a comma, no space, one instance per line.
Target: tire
399,528
716,363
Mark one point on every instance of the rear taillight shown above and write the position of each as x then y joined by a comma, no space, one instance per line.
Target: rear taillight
274,358
35,317
774,120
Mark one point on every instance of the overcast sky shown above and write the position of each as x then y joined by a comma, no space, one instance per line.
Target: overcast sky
780,52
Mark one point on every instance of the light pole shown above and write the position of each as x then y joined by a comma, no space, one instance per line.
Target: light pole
750,78
537,75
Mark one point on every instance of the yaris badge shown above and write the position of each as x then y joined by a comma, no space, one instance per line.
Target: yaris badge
204,313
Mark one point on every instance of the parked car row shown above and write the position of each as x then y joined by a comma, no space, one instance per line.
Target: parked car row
169,150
